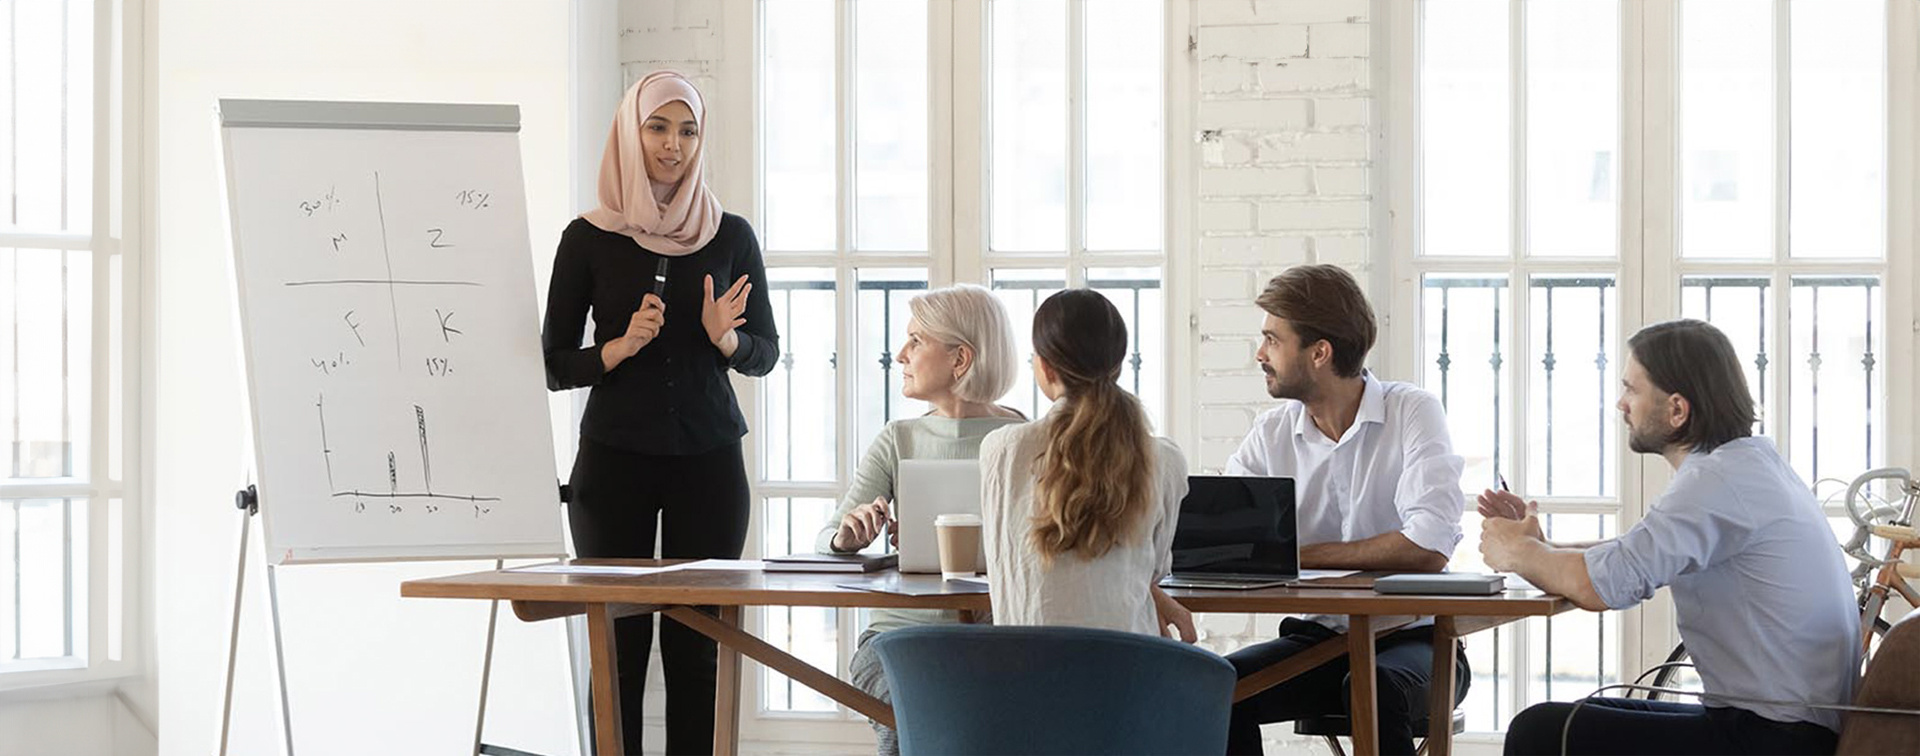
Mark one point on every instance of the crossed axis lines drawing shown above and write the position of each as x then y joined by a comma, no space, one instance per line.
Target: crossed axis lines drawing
392,284
393,492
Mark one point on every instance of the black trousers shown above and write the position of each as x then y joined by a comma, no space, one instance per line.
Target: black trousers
1631,726
698,504
1404,665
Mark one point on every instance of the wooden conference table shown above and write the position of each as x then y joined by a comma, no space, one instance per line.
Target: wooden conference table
602,598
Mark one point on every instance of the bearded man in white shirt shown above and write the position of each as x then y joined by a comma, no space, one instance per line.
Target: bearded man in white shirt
1378,488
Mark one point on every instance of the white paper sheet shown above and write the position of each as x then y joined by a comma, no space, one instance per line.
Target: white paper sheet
737,565
595,569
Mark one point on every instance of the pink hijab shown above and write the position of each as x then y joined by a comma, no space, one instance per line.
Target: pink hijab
691,214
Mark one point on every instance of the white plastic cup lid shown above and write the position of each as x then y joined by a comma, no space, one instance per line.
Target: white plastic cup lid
956,519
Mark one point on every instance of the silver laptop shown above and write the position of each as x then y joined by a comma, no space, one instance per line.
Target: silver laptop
926,489
1237,533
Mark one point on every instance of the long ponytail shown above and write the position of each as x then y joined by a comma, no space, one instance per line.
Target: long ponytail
1094,486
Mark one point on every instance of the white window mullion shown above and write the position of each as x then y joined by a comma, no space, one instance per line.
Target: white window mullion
48,242
1782,293
1182,344
1401,182
1517,355
1649,200
1781,299
1903,71
845,299
843,111
967,119
1782,130
1076,142
942,177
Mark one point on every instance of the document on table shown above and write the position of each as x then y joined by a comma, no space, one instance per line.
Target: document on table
563,568
1328,574
735,565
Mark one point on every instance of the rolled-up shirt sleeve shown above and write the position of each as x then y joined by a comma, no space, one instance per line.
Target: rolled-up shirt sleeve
1689,529
1428,496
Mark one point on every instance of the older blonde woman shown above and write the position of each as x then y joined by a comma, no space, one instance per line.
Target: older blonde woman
958,357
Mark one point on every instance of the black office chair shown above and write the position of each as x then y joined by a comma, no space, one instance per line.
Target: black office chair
1333,727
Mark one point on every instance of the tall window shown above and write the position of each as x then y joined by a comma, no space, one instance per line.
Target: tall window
880,176
63,285
1541,188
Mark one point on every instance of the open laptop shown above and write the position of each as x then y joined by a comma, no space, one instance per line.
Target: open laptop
926,489
1237,533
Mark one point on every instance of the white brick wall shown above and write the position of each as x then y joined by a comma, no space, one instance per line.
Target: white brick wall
679,34
1255,82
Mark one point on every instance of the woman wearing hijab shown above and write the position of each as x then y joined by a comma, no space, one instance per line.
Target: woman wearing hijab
660,439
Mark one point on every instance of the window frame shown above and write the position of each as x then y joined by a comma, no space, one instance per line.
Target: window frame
109,638
1648,260
958,251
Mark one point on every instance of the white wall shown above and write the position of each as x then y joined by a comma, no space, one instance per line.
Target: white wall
1284,98
1283,106
97,725
370,673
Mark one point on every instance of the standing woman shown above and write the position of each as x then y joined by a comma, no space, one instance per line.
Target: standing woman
660,440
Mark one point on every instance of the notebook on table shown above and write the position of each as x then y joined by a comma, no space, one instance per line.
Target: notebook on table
832,562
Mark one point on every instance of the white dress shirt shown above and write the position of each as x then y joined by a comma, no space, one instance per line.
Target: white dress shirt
1761,593
1393,471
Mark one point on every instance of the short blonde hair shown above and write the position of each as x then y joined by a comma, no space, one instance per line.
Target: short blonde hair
970,315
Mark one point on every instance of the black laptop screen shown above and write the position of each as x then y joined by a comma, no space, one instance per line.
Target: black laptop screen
1236,525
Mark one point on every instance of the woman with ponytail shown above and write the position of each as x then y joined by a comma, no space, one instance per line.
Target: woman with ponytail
1079,507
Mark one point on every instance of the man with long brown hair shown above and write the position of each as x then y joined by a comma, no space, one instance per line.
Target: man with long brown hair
1378,488
1760,589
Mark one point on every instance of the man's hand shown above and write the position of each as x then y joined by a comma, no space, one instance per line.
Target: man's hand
1501,505
1505,544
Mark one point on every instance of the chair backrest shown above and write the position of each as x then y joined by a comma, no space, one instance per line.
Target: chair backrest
1889,683
974,689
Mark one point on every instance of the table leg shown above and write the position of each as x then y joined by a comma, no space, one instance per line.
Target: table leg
607,735
731,637
1440,689
1363,710
726,690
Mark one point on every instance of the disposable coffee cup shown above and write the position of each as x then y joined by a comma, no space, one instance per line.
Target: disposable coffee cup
959,537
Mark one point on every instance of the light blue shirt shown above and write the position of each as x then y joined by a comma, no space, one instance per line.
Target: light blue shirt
1763,598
